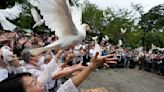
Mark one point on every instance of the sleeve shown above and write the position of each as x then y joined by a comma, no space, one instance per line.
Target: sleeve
3,74
47,73
68,86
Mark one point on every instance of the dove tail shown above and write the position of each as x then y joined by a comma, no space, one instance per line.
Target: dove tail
34,25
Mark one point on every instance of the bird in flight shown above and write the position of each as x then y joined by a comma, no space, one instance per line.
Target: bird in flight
34,3
65,20
10,14
36,17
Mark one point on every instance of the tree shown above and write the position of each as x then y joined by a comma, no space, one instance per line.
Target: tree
153,22
154,18
93,16
115,20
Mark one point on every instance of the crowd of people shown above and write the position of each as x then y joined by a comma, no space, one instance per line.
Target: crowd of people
152,62
50,71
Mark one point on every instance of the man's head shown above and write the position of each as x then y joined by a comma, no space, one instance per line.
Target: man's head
31,59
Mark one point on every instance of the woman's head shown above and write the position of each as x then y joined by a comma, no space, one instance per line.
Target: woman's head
32,85
22,82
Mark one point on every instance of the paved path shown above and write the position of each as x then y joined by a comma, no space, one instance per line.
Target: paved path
125,80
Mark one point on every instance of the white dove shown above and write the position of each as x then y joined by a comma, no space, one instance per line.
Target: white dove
123,30
34,3
139,49
120,43
97,47
106,38
153,47
95,38
58,18
11,14
36,17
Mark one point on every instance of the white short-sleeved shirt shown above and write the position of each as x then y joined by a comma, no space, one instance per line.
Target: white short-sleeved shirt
3,74
68,86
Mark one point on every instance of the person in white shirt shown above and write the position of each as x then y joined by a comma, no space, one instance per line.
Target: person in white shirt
3,70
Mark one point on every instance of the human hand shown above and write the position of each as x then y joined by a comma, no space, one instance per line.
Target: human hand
99,60
80,66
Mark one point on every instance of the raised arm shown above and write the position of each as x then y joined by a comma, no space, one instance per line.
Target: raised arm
78,79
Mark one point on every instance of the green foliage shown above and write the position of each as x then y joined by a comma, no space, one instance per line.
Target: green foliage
9,3
24,22
152,23
115,21
154,19
93,16
133,39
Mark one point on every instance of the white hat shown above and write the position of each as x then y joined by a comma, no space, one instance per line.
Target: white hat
7,54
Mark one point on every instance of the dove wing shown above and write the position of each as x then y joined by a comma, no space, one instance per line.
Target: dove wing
12,13
6,25
58,17
76,13
35,15
33,2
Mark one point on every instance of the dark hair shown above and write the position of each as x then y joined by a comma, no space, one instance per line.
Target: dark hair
13,83
26,56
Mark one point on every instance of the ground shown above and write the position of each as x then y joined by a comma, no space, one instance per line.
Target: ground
124,80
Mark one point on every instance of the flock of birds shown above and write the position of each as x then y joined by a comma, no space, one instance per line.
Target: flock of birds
59,16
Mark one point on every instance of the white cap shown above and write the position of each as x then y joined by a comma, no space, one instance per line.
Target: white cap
7,54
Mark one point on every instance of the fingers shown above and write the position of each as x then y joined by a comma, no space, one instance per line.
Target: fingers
96,55
107,56
112,52
111,59
105,64
81,62
111,62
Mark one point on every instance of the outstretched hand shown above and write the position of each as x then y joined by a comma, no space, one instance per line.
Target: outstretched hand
98,60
